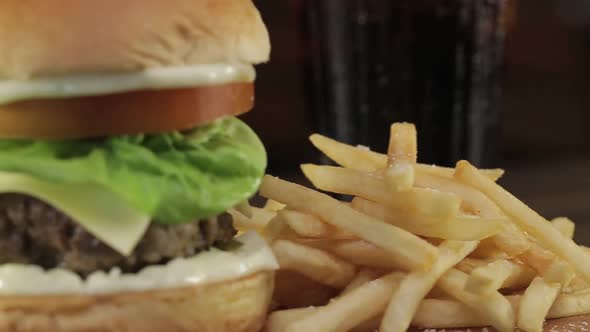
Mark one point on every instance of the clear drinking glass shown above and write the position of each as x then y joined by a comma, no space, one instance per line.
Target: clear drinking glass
435,63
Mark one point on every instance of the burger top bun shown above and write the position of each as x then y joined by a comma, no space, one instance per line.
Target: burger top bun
58,37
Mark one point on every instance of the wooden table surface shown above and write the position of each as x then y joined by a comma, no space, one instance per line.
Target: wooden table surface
567,324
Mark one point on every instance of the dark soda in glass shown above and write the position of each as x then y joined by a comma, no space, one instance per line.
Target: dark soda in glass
435,63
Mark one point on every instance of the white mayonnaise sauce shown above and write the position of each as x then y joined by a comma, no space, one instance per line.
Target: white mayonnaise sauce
99,84
212,266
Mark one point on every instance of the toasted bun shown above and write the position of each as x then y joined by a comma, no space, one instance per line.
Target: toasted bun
44,38
236,306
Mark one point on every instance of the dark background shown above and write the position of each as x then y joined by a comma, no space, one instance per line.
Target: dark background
545,130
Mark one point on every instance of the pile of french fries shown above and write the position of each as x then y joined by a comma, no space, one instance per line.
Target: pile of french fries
418,245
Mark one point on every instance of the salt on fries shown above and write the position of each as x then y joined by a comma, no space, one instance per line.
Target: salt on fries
402,155
418,245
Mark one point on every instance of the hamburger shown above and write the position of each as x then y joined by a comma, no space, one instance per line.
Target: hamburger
120,155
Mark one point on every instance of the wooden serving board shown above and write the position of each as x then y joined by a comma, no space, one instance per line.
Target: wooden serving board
567,324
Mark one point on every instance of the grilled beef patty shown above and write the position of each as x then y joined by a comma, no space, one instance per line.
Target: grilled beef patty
33,232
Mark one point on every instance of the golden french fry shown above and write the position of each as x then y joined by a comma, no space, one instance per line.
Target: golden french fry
520,276
390,215
273,205
545,261
351,309
494,307
306,225
359,158
462,228
567,305
489,278
527,219
576,285
374,187
488,250
258,218
473,201
559,272
277,227
244,208
538,257
437,313
363,159
261,216
442,314
360,253
399,176
468,264
243,223
565,226
403,144
402,153
362,277
535,304
337,246
280,319
418,253
370,325
344,180
416,285
313,263
294,290
510,239
493,174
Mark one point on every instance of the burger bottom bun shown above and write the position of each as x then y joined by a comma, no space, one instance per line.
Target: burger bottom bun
236,305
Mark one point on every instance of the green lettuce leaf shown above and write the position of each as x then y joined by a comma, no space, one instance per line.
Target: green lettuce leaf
173,177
